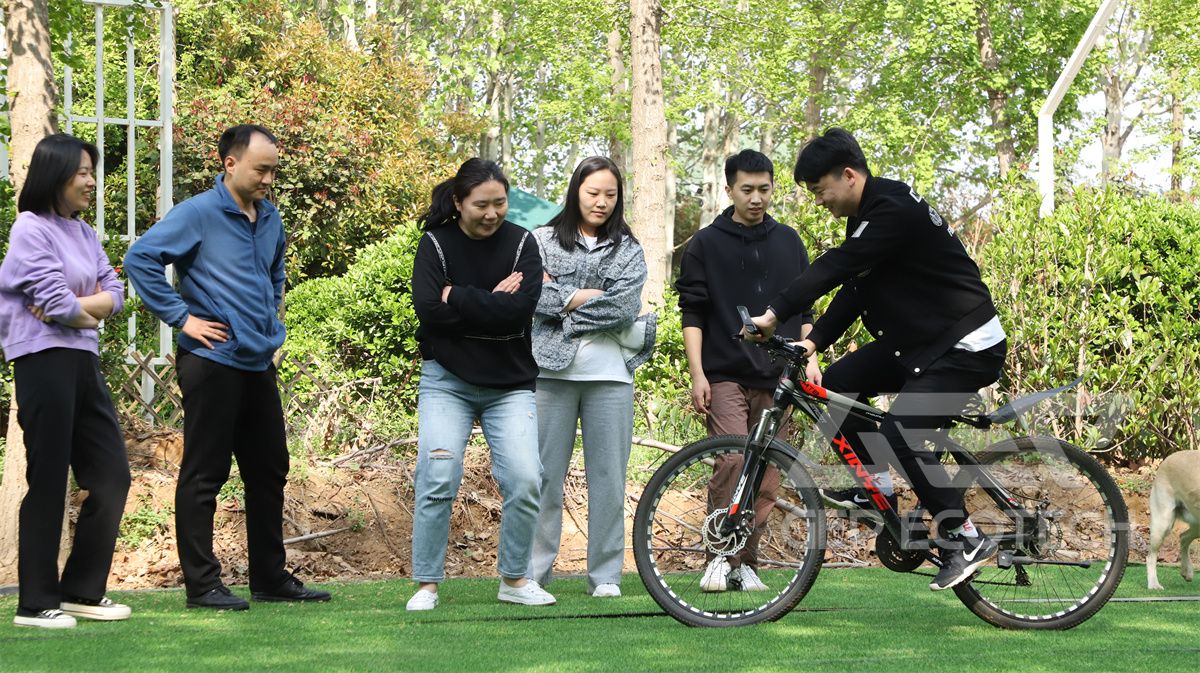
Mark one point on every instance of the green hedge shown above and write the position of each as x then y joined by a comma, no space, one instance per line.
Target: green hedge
1107,288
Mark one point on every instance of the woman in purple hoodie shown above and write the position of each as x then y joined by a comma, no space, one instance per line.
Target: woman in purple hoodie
56,285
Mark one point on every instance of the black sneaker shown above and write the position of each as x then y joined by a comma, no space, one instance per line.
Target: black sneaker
220,598
854,498
291,591
961,557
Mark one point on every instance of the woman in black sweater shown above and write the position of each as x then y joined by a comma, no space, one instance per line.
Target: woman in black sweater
476,281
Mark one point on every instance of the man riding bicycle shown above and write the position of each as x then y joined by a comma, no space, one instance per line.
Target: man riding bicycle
937,338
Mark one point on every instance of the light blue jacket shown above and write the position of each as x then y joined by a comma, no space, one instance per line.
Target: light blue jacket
230,270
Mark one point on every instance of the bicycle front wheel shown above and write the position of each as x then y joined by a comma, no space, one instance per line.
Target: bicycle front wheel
1060,565
676,538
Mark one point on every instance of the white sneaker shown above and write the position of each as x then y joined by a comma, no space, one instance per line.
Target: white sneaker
422,600
745,576
528,594
607,591
716,575
47,619
103,610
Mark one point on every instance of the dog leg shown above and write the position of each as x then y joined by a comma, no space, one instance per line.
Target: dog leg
1185,541
1162,519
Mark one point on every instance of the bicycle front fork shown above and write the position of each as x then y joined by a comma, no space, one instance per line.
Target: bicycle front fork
754,467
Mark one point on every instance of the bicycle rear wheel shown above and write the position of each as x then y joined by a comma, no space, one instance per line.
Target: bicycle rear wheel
1065,562
675,537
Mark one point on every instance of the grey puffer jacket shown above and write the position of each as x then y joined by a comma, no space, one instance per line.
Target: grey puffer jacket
618,270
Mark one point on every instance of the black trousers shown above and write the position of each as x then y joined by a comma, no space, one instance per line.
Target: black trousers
228,413
67,415
918,413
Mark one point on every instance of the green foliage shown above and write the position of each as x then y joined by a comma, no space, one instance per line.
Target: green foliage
233,490
663,385
1107,289
361,325
144,522
356,160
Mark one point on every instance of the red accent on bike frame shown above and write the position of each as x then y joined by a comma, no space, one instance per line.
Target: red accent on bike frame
733,509
814,390
868,483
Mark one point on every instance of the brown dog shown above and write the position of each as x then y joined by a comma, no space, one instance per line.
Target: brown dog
1175,494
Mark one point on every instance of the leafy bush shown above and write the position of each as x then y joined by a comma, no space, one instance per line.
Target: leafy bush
357,156
361,324
1106,288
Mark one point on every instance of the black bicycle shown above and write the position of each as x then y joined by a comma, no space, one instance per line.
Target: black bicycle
1058,516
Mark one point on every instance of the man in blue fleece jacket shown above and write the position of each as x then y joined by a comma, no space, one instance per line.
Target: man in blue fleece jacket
227,246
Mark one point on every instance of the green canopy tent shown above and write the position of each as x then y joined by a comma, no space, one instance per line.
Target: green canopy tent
528,210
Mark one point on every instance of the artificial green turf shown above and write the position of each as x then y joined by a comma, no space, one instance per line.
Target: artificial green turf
884,622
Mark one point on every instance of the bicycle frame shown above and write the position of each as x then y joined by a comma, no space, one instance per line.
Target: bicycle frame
794,391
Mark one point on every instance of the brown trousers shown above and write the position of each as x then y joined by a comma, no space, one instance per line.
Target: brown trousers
733,410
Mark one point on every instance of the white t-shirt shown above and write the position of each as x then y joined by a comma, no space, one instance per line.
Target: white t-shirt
990,334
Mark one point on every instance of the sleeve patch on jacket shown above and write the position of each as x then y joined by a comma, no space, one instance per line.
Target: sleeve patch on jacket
861,227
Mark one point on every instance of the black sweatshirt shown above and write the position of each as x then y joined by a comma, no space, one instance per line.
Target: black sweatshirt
480,336
726,265
904,271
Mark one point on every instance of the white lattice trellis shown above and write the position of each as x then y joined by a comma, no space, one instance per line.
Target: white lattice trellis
164,122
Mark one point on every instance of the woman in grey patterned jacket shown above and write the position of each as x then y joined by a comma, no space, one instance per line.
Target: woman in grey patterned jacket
587,340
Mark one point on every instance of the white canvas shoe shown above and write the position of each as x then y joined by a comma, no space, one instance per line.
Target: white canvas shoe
747,579
528,594
422,600
103,610
47,619
607,591
716,575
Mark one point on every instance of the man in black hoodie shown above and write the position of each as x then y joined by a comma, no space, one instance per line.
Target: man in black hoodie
743,258
938,339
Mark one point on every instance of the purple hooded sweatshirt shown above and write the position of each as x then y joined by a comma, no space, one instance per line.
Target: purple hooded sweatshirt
51,261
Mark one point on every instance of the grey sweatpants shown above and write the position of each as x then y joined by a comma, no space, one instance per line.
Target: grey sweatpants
604,411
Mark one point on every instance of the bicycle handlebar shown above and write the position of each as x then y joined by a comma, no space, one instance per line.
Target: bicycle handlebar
776,345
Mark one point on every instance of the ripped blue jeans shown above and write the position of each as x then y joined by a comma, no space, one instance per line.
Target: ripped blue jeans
446,408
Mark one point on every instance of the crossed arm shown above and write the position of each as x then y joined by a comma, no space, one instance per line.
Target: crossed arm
95,307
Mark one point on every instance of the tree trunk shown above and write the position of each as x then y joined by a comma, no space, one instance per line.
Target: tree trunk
32,95
506,125
31,88
348,26
1113,108
370,9
817,75
573,158
1176,170
669,210
539,160
618,150
12,490
712,143
766,135
489,143
651,153
997,97
730,140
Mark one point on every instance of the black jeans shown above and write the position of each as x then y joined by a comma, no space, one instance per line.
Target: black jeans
67,415
918,413
228,413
